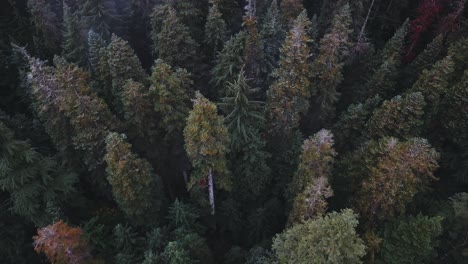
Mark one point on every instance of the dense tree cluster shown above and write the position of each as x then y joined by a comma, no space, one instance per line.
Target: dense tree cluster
233,131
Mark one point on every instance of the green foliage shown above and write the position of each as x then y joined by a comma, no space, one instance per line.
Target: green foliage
411,240
288,96
136,188
331,239
215,29
383,80
388,173
172,41
272,33
393,49
122,64
229,61
99,16
427,57
434,83
46,24
32,181
171,90
328,65
290,9
206,143
458,51
454,117
74,50
400,117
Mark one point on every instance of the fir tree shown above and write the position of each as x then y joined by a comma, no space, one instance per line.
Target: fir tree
46,24
328,65
434,83
309,188
96,46
171,90
33,182
206,143
215,29
399,117
411,239
455,117
331,239
73,47
389,173
383,81
173,43
393,49
288,96
122,64
136,188
459,53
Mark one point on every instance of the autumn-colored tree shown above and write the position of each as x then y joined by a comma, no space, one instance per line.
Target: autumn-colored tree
171,90
288,96
310,188
136,188
399,117
328,65
389,173
206,143
63,244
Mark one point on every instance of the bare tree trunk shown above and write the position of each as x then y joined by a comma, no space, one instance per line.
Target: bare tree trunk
211,191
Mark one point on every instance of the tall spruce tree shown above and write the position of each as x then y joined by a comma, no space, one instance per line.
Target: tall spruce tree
427,57
101,16
34,182
206,143
328,65
310,188
288,96
290,9
136,188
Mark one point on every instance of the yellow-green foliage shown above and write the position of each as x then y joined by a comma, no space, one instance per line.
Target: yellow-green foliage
206,143
310,187
137,190
330,239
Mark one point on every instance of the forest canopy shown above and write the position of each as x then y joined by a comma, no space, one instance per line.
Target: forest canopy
233,131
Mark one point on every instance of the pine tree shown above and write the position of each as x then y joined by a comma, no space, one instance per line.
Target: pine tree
206,143
33,182
62,243
171,90
328,65
383,81
229,61
411,239
74,50
173,42
388,174
434,83
399,117
96,46
136,188
248,155
310,188
331,239
215,29
122,64
288,96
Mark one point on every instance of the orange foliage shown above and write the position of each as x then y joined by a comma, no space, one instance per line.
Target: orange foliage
62,243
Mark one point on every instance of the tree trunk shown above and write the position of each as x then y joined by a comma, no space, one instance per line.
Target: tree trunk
211,191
